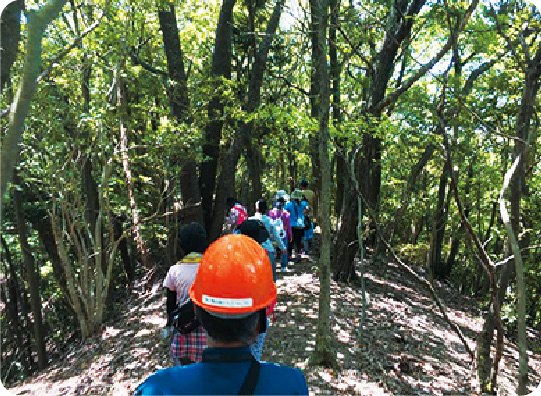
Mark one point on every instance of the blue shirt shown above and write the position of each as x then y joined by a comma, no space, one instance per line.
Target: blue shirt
223,378
296,210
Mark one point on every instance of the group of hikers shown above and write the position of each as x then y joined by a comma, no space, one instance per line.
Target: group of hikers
220,297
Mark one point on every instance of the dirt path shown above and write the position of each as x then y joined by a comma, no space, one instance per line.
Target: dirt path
407,349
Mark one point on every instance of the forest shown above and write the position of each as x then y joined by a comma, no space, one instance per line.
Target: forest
415,122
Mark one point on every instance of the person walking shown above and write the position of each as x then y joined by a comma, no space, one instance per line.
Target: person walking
296,212
236,215
309,196
192,241
274,236
278,214
256,230
231,291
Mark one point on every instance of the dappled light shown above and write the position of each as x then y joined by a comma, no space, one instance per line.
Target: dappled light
381,159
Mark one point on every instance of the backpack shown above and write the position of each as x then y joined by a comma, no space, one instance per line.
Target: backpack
183,318
241,213
279,225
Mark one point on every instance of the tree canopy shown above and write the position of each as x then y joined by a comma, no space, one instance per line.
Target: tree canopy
415,122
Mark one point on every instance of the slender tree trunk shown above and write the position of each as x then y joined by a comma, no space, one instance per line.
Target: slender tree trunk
122,109
323,353
12,310
335,70
438,229
406,194
123,247
314,107
32,277
518,185
455,243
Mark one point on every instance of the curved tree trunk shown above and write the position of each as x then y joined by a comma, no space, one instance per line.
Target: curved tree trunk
37,23
10,23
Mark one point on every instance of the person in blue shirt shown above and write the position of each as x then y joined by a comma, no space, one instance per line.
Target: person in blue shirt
231,291
296,210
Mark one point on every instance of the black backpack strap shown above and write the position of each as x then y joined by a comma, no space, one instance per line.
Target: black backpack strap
250,382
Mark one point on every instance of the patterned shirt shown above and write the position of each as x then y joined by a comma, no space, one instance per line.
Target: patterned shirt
276,213
179,278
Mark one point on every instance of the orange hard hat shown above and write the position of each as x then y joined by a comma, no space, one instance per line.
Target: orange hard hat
234,277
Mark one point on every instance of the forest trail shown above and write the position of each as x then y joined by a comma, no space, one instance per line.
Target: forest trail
408,348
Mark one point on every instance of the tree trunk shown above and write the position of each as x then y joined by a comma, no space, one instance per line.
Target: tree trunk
406,194
37,23
455,243
12,311
179,101
32,276
253,162
221,67
315,97
486,336
438,230
241,139
46,236
123,247
122,112
324,353
345,250
518,185
335,70
10,23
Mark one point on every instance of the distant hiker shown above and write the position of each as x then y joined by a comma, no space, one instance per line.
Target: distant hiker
310,197
192,241
281,194
274,236
282,223
236,215
231,291
296,211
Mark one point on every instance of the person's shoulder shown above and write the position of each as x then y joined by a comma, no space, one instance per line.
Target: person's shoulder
291,379
282,371
156,382
174,269
163,381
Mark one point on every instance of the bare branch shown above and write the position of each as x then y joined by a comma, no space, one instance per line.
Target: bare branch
147,66
355,49
391,98
510,45
75,43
